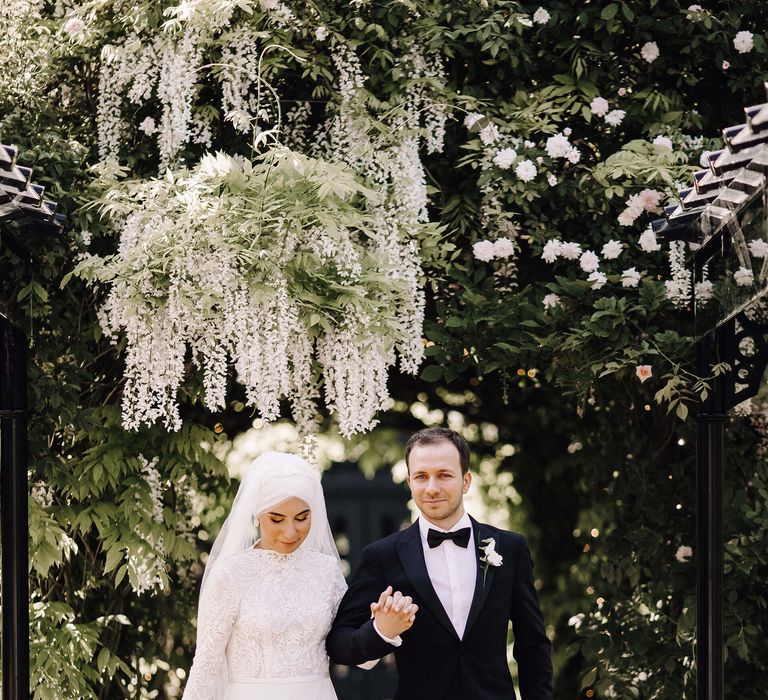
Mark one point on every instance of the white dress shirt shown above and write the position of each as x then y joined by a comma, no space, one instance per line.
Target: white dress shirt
453,571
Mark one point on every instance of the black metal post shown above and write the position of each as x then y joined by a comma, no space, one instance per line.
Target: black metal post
716,346
14,511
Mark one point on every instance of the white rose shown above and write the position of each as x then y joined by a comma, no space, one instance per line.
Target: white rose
541,16
683,553
551,250
74,26
484,250
570,251
321,33
612,250
649,51
648,241
550,301
589,262
472,118
630,277
557,146
743,42
489,134
526,170
503,248
615,117
551,180
599,106
148,126
505,157
663,141
494,558
573,156
598,279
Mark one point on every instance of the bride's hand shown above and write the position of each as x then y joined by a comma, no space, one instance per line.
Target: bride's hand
394,612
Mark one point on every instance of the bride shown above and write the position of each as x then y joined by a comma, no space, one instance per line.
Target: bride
270,591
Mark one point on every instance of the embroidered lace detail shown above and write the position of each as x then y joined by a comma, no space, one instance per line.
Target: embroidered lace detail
269,614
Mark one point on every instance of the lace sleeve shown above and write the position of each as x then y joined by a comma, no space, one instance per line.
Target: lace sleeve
339,588
216,614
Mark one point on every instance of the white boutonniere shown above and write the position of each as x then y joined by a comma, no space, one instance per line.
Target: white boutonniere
490,556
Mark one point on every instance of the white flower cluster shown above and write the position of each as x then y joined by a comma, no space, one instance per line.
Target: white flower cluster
422,69
559,146
679,286
204,267
600,108
646,200
156,489
486,251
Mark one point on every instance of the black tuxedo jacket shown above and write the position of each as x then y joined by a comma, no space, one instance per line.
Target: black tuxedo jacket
432,662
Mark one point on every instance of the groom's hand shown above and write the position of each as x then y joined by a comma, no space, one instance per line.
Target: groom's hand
394,612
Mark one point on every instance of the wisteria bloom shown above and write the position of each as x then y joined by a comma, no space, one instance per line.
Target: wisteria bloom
551,250
704,291
541,16
557,146
570,251
484,250
599,107
598,279
663,141
526,170
743,277
648,241
550,301
615,117
649,51
589,262
505,157
74,26
644,372
612,250
743,42
630,277
758,248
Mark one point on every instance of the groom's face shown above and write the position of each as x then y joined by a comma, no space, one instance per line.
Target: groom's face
436,482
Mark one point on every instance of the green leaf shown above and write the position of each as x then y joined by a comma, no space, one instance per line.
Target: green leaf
432,373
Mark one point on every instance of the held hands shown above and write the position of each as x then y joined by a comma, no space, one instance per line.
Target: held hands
394,612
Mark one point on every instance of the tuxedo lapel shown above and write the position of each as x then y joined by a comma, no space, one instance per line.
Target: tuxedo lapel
484,578
411,554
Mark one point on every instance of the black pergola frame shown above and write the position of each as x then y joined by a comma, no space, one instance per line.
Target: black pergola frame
24,214
708,215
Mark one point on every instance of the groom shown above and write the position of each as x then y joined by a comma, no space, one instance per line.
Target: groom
457,646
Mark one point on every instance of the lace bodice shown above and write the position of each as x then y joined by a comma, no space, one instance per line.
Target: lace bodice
268,614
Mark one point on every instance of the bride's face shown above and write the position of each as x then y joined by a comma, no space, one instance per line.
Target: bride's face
286,526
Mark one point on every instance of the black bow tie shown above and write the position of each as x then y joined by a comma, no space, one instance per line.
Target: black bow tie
460,537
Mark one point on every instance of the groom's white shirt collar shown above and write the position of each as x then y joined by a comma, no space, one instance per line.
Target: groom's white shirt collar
425,525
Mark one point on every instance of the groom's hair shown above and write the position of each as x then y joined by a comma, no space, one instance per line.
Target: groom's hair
430,436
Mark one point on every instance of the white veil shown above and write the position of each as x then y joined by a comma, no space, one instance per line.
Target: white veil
269,480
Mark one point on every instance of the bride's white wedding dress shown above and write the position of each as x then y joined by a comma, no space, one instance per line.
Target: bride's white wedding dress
266,615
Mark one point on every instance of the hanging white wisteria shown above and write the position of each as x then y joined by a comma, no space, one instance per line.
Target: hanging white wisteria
278,267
